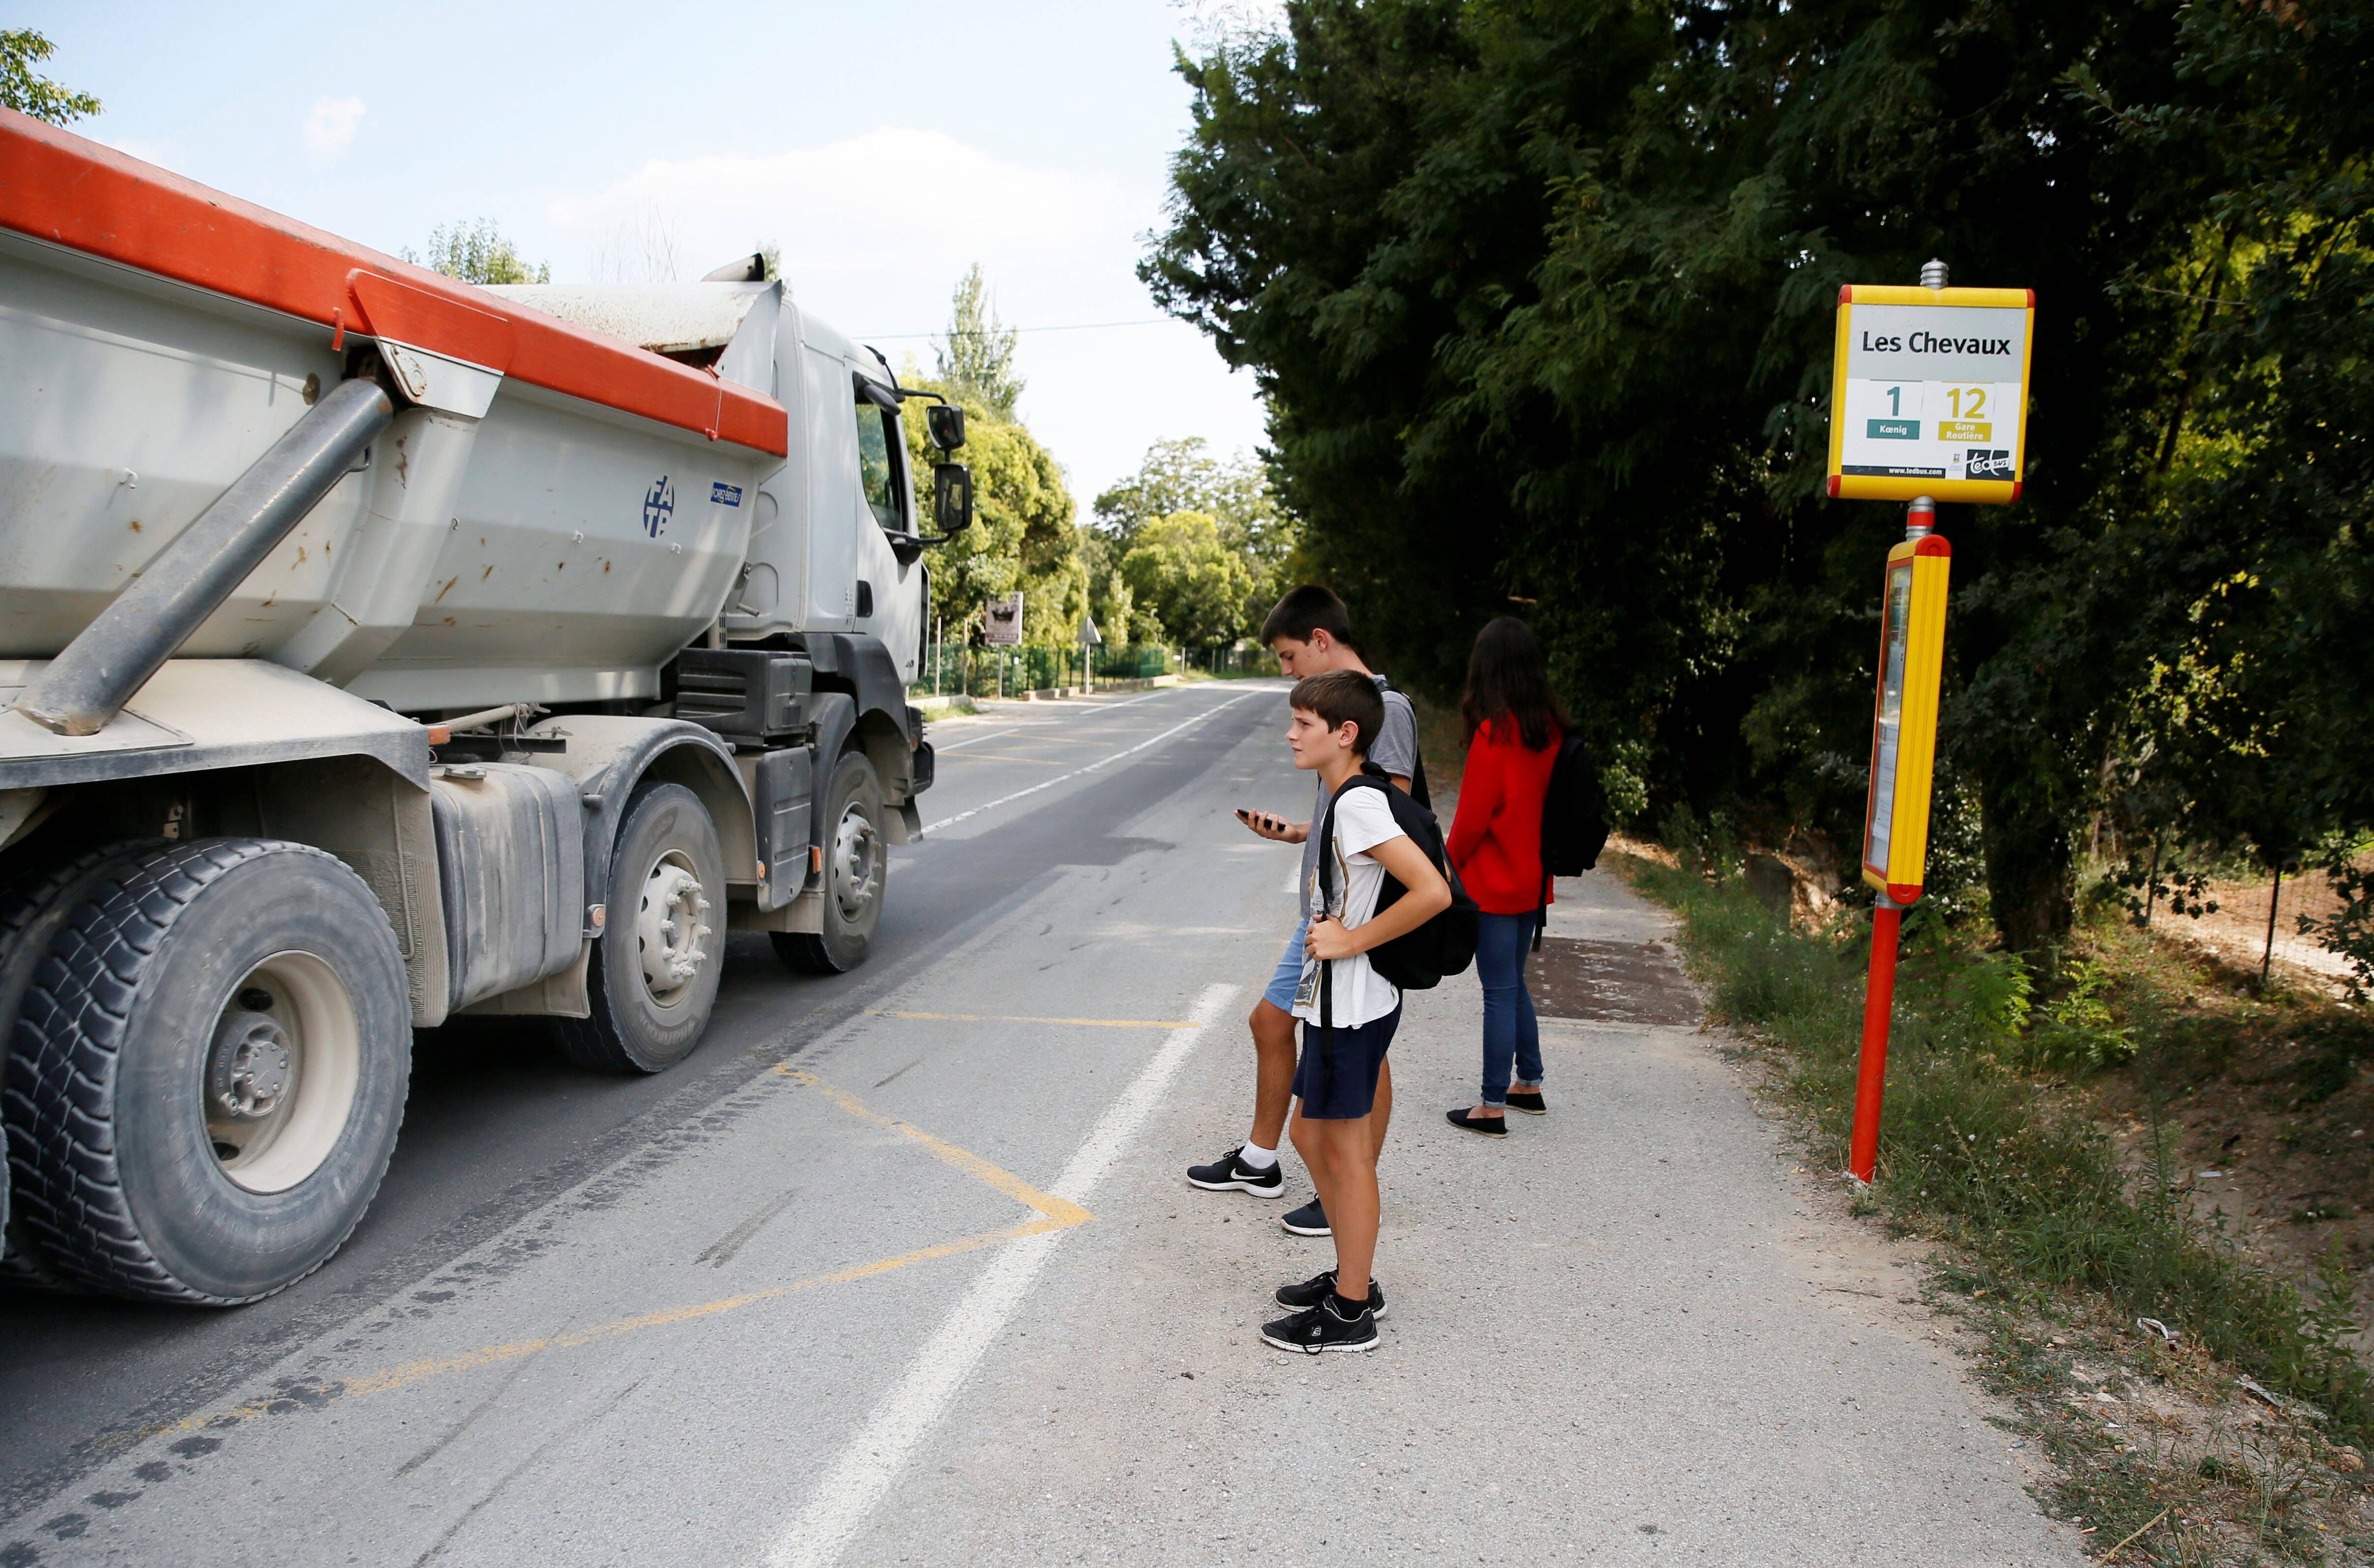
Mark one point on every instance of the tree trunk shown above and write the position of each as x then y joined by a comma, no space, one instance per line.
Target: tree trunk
2028,877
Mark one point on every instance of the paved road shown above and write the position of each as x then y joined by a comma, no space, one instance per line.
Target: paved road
899,1268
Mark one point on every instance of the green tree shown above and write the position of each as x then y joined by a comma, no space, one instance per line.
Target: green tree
477,252
1024,534
21,49
1541,296
1183,571
1181,476
977,352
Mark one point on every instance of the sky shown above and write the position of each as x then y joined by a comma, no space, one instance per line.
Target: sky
884,147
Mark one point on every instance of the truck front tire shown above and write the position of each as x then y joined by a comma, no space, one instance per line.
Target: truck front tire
653,977
209,1070
856,868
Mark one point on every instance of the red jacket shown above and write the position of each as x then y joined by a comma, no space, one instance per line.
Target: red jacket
1495,840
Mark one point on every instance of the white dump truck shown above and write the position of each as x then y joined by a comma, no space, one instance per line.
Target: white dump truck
376,649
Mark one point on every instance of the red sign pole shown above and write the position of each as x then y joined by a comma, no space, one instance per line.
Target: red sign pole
1878,1005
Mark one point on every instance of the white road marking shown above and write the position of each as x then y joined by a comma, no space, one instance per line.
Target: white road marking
974,741
871,1461
1100,762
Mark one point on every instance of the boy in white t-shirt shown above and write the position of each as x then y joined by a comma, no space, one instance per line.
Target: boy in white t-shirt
1348,1011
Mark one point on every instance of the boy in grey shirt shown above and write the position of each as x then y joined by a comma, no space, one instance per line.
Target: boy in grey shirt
1310,632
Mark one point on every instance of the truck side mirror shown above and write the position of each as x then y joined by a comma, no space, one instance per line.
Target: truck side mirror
952,493
944,422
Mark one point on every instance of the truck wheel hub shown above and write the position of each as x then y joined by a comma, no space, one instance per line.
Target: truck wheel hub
247,1072
281,1075
670,929
852,864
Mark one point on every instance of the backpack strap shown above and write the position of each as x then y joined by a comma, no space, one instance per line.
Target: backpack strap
1369,777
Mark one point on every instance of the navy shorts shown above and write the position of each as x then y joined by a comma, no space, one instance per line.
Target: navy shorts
1336,1075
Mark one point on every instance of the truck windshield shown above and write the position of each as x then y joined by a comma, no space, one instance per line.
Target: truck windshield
878,433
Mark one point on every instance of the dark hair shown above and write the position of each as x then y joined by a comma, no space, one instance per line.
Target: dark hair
1308,609
1509,677
1342,696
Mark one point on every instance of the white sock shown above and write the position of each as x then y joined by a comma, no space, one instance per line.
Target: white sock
1256,1156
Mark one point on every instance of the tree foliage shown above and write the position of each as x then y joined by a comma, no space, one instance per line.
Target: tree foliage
1180,478
477,252
1541,294
1024,535
21,89
976,353
1181,569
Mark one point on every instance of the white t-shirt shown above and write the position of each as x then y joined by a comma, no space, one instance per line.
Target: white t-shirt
1363,821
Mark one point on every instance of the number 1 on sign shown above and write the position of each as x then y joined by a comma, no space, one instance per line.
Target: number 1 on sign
1895,400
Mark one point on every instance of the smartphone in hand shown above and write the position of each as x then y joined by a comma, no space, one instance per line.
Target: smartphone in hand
1263,822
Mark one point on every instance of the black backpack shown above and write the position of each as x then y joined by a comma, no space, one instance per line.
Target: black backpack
1574,820
1416,960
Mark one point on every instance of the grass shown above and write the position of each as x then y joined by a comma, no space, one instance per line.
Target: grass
1984,1149
2056,1238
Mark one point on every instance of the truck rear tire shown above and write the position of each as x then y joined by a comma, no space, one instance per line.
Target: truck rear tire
33,908
856,868
653,977
209,1072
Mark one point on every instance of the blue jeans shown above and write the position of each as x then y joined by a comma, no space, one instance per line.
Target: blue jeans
1510,1035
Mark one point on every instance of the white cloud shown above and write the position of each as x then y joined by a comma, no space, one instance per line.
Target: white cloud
875,230
895,200
329,129
164,153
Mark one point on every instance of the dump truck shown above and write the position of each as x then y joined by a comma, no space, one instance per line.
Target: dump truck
376,649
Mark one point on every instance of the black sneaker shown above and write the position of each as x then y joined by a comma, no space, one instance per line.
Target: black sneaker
1230,1173
1310,1219
1319,1287
1532,1104
1321,1329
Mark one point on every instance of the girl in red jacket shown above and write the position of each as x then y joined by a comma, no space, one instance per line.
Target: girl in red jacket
1514,724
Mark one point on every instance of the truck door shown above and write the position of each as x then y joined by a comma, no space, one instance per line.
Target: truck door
836,505
891,601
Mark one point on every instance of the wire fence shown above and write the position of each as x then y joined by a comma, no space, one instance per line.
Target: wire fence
948,670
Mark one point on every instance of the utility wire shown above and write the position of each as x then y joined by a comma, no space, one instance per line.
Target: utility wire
1001,332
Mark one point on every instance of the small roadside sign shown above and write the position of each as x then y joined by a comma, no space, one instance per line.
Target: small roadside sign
1001,620
1090,636
1929,392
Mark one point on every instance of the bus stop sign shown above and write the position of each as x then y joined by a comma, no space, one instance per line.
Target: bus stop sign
1930,392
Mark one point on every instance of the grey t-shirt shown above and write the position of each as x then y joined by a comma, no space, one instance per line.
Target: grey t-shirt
1395,751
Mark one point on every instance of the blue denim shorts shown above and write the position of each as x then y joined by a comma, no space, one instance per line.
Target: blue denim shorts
1280,994
1336,1076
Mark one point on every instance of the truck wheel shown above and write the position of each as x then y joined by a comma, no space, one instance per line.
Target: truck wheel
209,1072
653,978
33,908
856,867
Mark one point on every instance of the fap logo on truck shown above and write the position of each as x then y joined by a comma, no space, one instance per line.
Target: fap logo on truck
659,505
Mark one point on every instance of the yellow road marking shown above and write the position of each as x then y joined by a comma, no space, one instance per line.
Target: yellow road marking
1063,1213
1054,1214
1018,1018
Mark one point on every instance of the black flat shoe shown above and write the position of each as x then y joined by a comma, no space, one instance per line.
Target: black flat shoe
1489,1125
1529,1103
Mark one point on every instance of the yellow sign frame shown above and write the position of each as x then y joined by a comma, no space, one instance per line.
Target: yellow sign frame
1911,672
1904,487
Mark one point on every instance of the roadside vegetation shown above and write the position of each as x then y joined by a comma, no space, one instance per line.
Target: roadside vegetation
2043,1126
